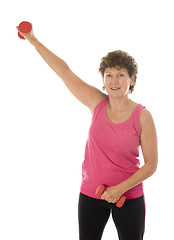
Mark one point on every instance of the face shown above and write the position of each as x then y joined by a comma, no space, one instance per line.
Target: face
117,81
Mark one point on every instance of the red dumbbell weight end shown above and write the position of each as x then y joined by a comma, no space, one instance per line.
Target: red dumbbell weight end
24,27
101,189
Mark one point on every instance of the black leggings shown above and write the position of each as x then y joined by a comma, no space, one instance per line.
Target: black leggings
94,213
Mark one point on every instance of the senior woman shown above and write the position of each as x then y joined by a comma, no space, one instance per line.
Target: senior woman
119,127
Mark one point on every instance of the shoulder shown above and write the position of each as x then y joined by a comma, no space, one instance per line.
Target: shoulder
146,121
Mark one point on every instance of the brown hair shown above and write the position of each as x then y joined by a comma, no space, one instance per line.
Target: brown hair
120,59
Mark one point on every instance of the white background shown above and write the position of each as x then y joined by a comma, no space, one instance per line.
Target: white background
43,128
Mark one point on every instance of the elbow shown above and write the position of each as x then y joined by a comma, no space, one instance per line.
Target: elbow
152,169
155,165
151,165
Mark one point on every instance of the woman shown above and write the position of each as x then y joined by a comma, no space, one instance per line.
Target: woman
118,128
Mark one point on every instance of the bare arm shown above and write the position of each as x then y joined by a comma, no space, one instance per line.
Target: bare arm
85,93
56,63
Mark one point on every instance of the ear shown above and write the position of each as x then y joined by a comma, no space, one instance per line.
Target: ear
133,80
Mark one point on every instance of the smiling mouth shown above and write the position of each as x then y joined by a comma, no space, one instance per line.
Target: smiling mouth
115,88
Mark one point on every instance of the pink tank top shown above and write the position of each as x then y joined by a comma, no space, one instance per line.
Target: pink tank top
111,152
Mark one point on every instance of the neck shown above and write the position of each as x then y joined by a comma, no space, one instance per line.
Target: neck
118,104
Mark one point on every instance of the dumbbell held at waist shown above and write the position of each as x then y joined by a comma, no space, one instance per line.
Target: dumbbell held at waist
101,189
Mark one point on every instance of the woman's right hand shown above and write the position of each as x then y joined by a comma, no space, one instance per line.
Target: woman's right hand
29,36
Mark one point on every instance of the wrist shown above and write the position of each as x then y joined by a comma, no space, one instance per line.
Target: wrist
122,187
33,41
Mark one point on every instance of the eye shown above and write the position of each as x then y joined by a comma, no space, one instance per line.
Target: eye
121,75
108,75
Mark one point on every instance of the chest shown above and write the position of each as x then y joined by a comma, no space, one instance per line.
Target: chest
119,117
110,138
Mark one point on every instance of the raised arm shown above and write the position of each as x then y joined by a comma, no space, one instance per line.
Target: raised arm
85,93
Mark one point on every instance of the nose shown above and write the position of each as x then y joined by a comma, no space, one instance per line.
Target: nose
116,79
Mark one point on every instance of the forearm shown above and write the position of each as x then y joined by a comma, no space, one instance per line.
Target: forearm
142,174
56,63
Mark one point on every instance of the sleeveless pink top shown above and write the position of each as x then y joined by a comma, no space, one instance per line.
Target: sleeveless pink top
111,152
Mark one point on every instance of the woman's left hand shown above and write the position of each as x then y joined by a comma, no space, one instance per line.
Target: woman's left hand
112,194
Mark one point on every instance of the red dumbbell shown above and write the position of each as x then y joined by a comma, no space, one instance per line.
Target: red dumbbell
24,27
100,191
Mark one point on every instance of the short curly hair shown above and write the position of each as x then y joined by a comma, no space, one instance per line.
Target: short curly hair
120,59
